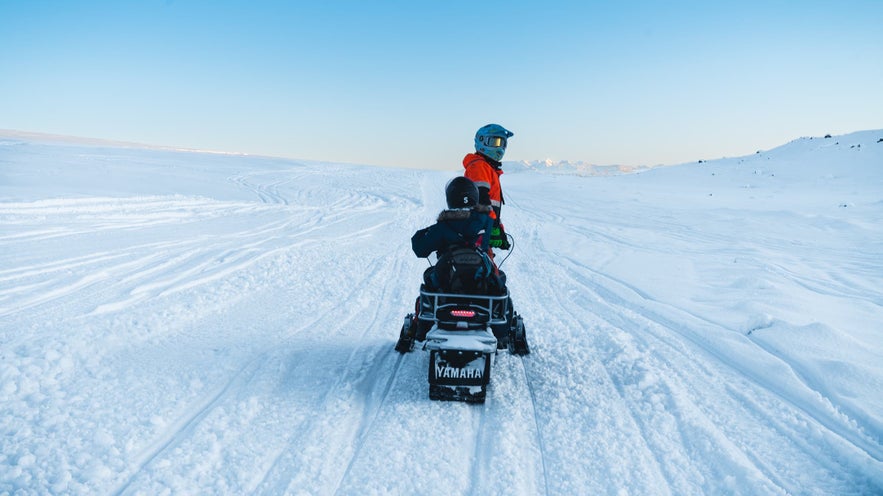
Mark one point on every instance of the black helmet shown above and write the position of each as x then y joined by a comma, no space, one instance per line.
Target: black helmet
461,192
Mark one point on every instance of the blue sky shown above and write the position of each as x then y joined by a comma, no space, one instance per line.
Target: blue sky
408,83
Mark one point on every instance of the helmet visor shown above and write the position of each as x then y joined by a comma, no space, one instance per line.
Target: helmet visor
494,141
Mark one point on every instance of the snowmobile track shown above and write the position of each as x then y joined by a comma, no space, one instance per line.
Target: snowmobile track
483,446
369,417
662,316
278,478
186,426
537,424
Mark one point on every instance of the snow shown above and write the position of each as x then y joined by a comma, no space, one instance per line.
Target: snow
188,323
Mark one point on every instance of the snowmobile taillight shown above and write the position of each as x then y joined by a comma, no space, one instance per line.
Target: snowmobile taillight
463,314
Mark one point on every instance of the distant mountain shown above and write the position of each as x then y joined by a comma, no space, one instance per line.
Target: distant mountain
798,151
578,168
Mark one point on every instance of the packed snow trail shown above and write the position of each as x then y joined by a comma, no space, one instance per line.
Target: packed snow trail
189,323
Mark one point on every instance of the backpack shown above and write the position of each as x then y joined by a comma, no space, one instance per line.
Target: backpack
464,269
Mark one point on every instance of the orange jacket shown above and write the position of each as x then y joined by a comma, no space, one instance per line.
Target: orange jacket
484,175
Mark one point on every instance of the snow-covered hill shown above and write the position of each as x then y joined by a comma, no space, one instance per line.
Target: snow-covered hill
187,323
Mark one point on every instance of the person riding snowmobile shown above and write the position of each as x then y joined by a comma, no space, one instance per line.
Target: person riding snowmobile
484,168
465,223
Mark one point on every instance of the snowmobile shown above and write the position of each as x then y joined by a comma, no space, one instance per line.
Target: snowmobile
463,332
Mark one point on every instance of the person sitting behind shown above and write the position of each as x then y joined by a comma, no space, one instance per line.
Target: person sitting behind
465,223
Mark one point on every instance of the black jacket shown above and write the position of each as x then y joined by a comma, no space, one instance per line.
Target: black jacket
460,227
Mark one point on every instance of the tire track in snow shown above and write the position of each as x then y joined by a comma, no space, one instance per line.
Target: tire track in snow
664,317
655,391
267,192
374,408
601,338
184,263
483,444
192,439
275,478
290,463
677,348
332,315
369,416
629,368
185,427
192,425
287,469
501,425
655,332
93,273
537,423
603,444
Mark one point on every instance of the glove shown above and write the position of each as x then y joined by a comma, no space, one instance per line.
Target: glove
499,238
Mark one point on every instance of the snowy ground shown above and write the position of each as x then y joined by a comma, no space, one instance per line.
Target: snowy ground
187,323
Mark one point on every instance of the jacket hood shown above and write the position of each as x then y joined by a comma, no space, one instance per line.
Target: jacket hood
462,213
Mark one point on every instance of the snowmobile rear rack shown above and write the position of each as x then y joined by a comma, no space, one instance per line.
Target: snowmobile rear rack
435,306
463,333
